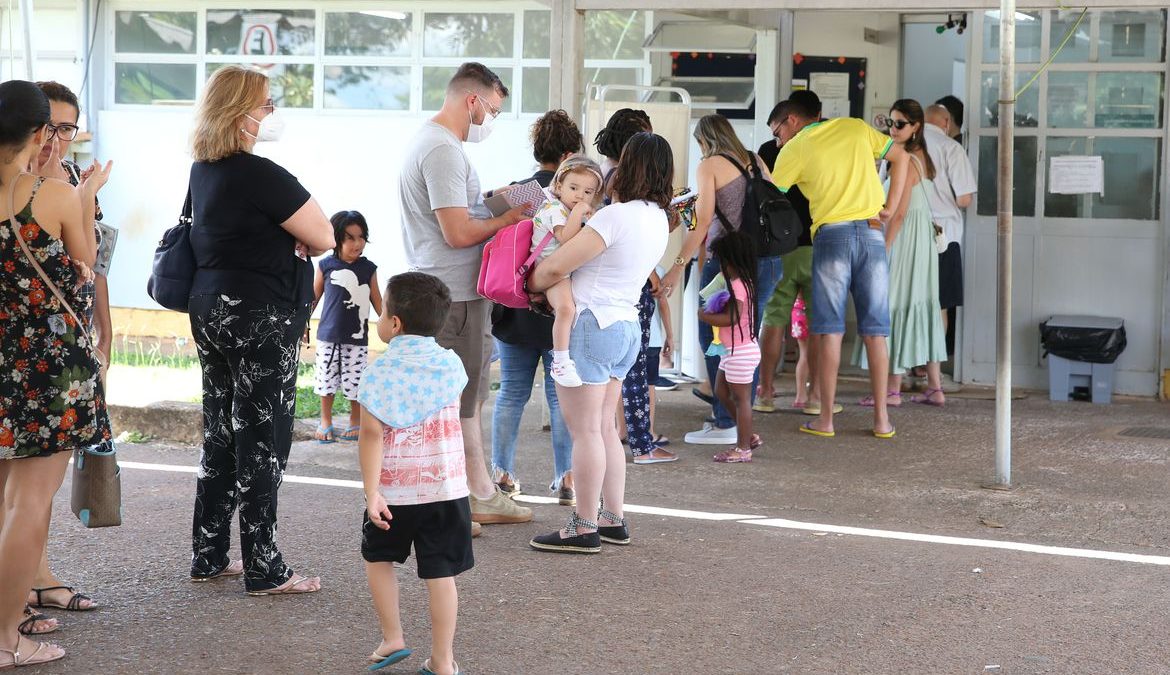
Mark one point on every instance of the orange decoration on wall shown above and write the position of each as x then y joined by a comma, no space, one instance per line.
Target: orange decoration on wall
798,58
841,60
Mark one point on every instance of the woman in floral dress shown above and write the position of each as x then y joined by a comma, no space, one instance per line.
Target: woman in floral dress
51,399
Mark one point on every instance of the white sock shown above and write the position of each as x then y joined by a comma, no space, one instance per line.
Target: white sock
560,356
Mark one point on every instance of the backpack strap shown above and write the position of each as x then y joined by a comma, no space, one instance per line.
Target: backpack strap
534,255
746,176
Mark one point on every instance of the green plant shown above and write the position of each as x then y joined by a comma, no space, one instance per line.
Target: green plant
133,437
309,403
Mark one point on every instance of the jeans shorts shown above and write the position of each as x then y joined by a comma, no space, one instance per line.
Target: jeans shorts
849,258
602,354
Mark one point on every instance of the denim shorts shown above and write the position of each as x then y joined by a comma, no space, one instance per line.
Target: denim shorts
849,258
601,354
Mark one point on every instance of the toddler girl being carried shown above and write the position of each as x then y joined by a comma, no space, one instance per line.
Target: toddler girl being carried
575,191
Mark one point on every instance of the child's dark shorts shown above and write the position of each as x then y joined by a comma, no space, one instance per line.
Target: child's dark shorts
439,531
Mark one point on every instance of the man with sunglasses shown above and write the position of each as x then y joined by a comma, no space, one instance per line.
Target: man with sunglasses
444,225
833,164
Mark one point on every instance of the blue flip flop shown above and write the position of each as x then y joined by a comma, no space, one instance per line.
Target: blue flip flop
426,669
328,433
390,660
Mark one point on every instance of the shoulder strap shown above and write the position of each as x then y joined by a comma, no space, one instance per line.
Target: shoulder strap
535,254
186,214
747,174
37,266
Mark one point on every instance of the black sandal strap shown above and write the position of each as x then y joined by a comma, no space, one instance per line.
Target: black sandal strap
74,603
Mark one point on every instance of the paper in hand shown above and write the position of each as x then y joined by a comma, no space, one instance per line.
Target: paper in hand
105,254
527,193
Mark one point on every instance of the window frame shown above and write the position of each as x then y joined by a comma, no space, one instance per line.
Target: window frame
1043,131
416,61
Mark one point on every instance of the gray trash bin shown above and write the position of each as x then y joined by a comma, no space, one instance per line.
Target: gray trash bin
1081,351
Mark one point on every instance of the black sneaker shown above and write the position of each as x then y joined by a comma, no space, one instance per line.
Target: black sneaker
581,543
664,384
615,534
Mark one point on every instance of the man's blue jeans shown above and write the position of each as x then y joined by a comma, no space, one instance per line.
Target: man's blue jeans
517,372
768,274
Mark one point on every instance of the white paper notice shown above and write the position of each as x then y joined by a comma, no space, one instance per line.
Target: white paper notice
833,90
1076,174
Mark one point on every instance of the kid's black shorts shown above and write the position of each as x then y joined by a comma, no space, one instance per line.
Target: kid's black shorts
440,533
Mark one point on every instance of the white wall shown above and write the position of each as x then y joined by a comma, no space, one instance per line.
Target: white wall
345,161
830,33
56,31
928,62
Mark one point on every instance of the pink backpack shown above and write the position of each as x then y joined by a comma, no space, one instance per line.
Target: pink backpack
506,264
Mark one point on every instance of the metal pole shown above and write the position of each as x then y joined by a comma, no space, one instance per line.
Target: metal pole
1003,328
26,17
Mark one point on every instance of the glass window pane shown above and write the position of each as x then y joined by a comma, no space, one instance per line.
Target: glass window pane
1023,177
1065,206
369,33
435,79
612,76
537,26
535,90
289,84
147,83
1027,37
614,35
154,32
287,32
469,35
1129,100
1131,178
1077,48
1068,100
1027,106
1132,36
367,87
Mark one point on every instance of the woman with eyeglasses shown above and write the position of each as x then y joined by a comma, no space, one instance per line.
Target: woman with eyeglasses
254,228
916,330
51,399
92,303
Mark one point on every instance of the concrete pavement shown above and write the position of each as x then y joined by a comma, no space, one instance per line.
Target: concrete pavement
695,594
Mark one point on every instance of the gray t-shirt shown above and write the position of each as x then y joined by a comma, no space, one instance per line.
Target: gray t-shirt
435,175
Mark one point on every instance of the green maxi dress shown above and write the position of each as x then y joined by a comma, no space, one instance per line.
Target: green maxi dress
916,330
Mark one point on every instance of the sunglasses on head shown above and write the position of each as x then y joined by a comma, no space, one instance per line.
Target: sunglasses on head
899,124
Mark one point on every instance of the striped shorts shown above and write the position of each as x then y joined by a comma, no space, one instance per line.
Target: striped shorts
739,366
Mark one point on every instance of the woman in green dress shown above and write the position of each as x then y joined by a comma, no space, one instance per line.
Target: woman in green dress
916,331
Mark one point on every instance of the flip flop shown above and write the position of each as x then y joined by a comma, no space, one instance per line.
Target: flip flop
287,588
380,662
705,398
350,433
74,604
426,669
807,428
661,440
816,409
325,435
885,434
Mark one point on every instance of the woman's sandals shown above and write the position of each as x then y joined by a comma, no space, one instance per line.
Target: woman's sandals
44,653
73,605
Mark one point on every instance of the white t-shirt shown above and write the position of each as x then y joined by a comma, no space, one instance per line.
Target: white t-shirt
953,178
610,285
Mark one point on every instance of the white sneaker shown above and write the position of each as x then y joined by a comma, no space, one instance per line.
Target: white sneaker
711,435
565,374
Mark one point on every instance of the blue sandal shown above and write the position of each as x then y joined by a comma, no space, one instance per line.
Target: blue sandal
426,669
350,433
325,435
380,662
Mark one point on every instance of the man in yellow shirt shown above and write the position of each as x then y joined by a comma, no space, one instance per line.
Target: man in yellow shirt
833,163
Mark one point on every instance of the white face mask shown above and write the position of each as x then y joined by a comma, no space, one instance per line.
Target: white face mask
271,127
479,132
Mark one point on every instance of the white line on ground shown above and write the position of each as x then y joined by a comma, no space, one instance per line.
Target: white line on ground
1116,556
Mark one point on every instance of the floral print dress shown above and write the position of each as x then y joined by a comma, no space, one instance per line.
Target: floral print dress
51,398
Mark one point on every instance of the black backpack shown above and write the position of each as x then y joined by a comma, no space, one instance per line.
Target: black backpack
767,214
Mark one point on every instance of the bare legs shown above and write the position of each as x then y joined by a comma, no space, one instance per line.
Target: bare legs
829,363
27,487
599,463
478,480
737,398
444,602
771,346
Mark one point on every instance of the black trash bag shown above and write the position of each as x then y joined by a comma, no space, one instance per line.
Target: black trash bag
1080,343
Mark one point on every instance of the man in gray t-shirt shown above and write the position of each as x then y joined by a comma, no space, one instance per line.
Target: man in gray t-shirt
444,226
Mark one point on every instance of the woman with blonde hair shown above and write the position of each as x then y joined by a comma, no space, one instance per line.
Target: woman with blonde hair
254,228
722,189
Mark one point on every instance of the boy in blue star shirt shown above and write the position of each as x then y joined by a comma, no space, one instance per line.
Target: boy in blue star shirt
413,469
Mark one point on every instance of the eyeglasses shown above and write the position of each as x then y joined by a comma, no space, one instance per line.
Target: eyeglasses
267,105
493,111
66,132
899,124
